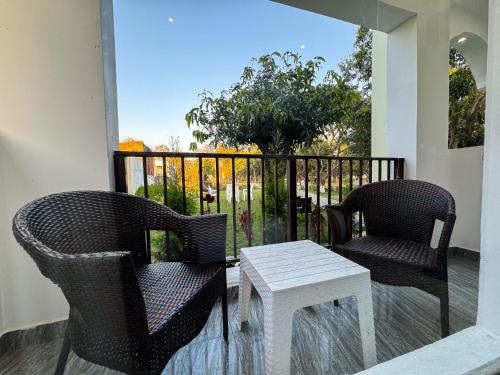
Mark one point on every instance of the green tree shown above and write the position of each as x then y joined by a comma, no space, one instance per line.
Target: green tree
466,105
280,106
358,66
357,70
277,105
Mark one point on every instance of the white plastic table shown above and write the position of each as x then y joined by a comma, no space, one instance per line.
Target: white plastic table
292,275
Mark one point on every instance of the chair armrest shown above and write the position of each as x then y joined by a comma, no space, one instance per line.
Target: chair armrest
444,239
338,220
205,238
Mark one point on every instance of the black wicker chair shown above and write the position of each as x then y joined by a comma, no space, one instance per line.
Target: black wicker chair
125,313
399,221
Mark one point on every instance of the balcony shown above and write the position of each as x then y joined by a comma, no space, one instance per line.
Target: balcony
325,338
59,132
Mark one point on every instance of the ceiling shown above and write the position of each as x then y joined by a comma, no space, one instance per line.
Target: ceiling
373,14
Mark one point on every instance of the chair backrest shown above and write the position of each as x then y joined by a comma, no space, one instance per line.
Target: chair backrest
83,242
401,208
90,222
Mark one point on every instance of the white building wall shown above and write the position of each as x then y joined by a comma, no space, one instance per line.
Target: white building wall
53,133
417,112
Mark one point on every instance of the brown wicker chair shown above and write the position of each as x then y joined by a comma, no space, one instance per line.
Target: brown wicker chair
125,314
399,221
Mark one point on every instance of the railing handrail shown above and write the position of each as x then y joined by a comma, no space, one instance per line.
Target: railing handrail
213,155
350,173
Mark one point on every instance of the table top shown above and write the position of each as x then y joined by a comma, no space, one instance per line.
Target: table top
293,264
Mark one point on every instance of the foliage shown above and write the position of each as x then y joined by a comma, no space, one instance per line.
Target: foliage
271,201
358,66
357,70
279,105
466,105
191,169
275,205
174,195
359,123
351,133
276,105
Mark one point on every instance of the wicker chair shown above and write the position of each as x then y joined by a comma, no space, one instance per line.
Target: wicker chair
399,220
125,313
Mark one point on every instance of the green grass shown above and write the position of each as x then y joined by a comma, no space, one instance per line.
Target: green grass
227,208
257,227
232,249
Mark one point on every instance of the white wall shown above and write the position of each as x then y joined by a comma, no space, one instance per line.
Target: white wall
417,112
53,133
402,95
379,94
489,277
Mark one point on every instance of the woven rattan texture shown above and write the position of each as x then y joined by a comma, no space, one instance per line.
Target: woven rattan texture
399,218
125,314
392,249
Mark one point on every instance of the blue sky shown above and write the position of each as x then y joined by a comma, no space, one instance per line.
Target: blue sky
168,51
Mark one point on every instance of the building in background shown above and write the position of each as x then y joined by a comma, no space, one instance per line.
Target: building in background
134,166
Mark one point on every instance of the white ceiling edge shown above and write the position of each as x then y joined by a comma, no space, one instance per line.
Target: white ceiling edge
373,14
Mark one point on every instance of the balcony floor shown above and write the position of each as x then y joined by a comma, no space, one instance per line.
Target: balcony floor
325,338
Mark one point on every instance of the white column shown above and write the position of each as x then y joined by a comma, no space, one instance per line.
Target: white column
417,90
402,95
489,277
379,94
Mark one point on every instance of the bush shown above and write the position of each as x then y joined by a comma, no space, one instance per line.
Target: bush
174,196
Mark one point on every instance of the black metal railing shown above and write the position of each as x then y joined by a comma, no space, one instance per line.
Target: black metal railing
293,189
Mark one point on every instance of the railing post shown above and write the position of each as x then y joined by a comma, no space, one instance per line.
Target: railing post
120,174
291,181
399,171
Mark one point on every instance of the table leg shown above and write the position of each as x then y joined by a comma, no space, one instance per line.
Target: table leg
244,294
277,338
366,326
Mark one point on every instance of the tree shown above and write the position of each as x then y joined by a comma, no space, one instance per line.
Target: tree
358,66
279,106
276,105
466,105
357,69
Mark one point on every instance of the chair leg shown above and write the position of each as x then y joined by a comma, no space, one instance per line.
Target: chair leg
224,315
63,356
445,313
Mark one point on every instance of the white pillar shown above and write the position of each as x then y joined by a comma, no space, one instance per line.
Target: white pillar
417,90
379,94
489,276
402,86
